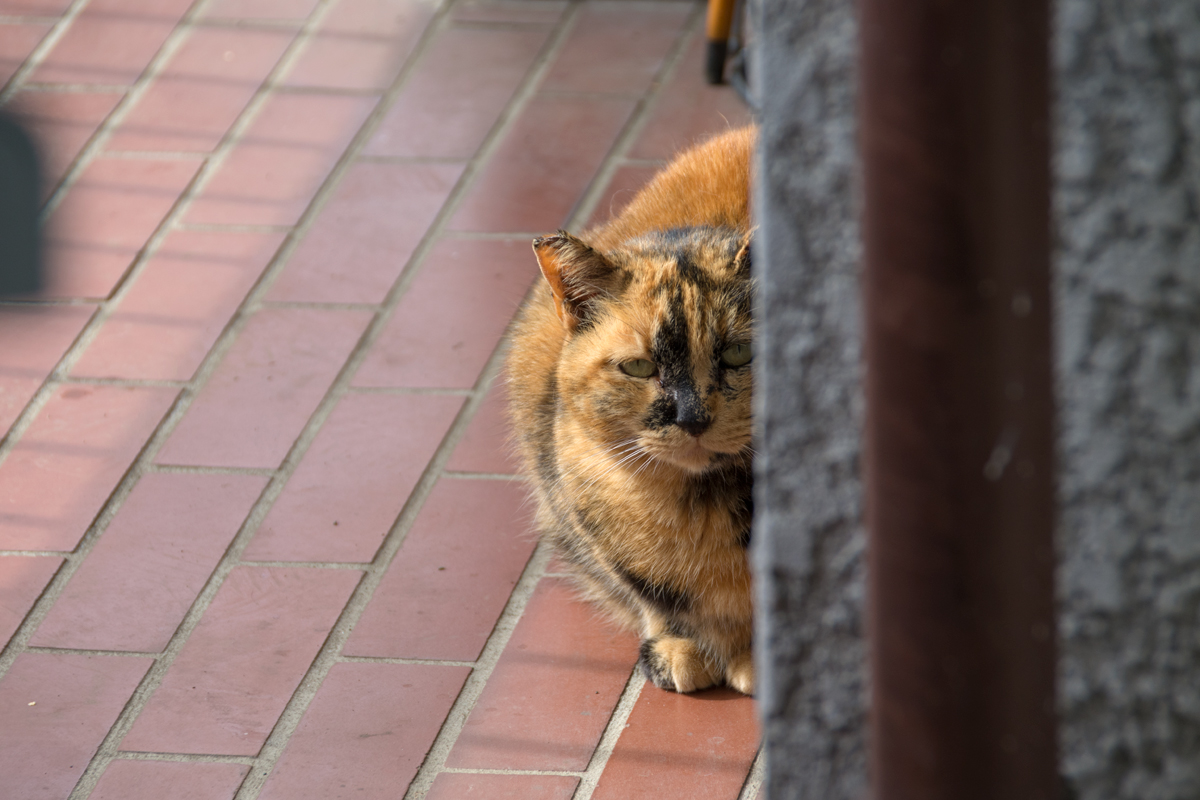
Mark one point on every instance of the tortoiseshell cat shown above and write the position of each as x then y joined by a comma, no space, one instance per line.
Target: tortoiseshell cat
630,393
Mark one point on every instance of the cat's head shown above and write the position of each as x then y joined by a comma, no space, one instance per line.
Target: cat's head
657,355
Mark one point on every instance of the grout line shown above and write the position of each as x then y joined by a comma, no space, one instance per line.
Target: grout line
350,566
435,759
421,662
26,19
147,383
74,88
554,772
155,155
498,25
617,724
85,651
189,469
248,23
184,758
756,776
482,476
212,227
290,305
383,159
409,390
34,553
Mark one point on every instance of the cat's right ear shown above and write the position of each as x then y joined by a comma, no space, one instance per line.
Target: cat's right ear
577,275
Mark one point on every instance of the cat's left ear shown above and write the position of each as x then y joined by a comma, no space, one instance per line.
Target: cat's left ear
741,262
577,275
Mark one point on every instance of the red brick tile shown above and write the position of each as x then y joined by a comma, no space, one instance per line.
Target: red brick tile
523,11
361,44
16,43
465,786
111,42
452,317
259,9
486,444
202,90
22,579
616,46
261,396
625,183
445,590
699,746
271,175
178,305
538,173
32,341
365,235
354,479
366,732
241,664
552,691
151,780
689,109
55,710
138,582
61,124
106,219
457,92
62,470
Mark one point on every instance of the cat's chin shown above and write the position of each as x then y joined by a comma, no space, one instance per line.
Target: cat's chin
691,456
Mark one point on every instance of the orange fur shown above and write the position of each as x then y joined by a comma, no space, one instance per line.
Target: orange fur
643,481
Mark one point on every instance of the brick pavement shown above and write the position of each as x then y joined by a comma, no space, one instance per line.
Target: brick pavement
259,533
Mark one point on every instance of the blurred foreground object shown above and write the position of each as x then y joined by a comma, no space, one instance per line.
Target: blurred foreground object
954,109
20,250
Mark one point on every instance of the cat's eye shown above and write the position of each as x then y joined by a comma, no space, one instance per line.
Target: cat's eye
736,355
639,368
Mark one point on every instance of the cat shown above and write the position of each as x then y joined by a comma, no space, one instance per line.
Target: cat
630,394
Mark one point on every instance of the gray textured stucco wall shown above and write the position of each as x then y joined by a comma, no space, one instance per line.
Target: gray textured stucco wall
1128,336
808,535
1127,201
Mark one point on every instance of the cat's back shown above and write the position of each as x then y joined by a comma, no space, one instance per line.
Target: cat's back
708,184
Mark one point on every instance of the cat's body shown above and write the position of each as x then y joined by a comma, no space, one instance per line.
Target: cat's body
630,393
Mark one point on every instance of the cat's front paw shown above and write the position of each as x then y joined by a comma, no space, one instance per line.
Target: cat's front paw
739,673
676,664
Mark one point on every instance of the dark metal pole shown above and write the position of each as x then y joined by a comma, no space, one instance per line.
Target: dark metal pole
959,453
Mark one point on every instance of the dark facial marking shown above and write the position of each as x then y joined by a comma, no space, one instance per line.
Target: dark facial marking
680,403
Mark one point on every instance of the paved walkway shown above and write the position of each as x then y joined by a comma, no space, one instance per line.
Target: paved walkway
259,537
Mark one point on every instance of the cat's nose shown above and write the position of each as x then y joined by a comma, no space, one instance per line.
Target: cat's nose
694,424
695,427
690,413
